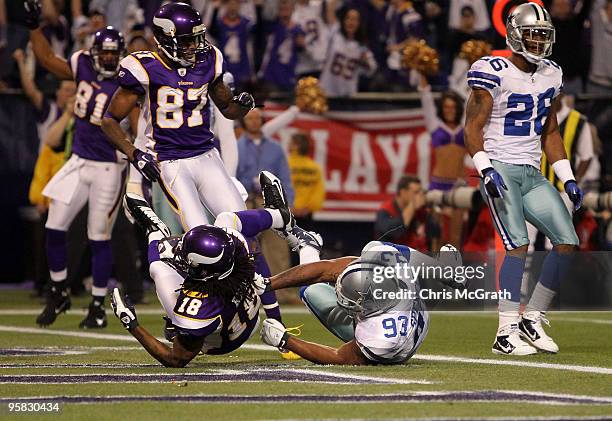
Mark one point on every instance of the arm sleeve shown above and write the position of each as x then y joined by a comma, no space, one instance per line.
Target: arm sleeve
227,140
429,109
219,63
280,121
74,63
132,75
481,76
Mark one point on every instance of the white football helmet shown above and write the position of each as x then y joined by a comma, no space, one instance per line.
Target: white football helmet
530,32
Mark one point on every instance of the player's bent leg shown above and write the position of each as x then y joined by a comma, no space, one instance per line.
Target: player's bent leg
321,301
215,187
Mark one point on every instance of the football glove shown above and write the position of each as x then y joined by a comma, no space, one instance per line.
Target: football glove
245,100
575,193
261,285
146,165
274,333
32,13
124,310
493,183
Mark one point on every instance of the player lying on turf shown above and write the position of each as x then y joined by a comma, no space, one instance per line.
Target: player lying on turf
377,327
204,279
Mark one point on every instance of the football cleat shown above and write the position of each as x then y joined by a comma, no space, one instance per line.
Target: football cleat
144,216
169,329
531,330
95,319
275,198
508,342
298,238
58,301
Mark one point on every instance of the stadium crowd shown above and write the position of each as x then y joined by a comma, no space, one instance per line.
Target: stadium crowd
351,46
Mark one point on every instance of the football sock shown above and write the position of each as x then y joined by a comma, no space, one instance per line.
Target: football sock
268,299
510,276
56,255
308,255
101,266
277,218
554,269
253,221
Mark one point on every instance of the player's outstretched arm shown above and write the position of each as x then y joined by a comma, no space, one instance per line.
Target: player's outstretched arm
347,354
184,348
232,107
122,103
310,273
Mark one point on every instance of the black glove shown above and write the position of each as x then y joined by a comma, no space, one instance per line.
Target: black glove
245,100
146,165
124,310
32,13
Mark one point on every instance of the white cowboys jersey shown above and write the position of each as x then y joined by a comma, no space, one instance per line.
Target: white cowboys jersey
521,104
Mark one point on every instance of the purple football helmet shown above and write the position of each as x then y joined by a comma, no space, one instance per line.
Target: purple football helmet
180,33
107,50
208,252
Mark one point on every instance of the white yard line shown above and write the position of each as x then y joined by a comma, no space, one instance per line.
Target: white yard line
260,347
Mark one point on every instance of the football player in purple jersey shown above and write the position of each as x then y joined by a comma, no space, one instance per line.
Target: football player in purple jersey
174,85
205,278
93,175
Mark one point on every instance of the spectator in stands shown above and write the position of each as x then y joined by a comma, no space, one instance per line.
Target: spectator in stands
120,14
49,109
403,24
569,27
482,20
257,152
284,40
312,17
600,76
55,26
405,220
83,27
232,32
465,32
348,56
307,180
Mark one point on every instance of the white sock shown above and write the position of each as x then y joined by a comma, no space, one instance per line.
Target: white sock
308,254
58,276
277,218
507,318
98,291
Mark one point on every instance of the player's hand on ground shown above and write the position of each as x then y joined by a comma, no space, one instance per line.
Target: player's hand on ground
261,284
124,310
32,13
245,100
146,165
274,333
575,193
493,183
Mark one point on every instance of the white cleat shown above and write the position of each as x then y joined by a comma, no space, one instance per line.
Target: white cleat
531,329
508,342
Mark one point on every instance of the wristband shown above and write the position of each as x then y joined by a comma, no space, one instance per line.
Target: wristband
481,161
563,170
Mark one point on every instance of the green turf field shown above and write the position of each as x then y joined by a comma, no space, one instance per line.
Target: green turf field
105,375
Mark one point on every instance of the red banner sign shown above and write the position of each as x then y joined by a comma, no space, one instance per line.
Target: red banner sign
363,154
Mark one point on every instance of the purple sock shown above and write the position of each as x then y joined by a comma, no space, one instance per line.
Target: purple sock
268,299
56,252
101,266
254,221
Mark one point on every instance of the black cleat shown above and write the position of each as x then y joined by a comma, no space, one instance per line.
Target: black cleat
143,215
95,319
58,301
275,198
169,329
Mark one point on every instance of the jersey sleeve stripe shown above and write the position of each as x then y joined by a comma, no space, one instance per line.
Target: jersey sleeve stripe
480,83
74,61
135,67
482,75
218,62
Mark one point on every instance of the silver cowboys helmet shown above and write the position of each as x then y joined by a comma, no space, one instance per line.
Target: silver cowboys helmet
530,32
360,294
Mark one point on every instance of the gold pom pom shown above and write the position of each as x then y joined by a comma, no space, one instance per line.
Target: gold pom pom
473,49
421,57
309,96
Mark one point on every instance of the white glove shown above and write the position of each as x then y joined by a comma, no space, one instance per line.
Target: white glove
261,284
124,311
274,333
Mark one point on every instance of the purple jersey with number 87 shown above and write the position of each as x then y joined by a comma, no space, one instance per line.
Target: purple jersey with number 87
174,102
